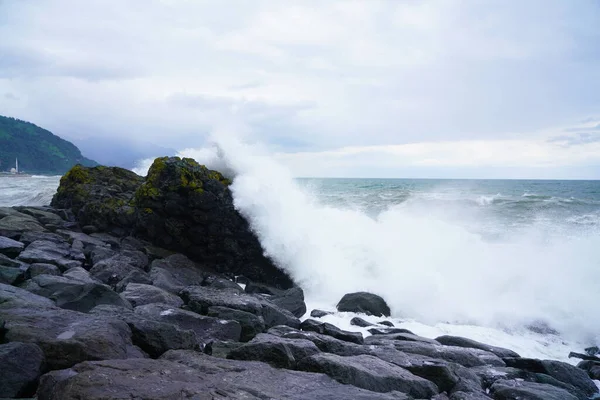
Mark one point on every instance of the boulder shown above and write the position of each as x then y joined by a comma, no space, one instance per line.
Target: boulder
199,299
516,389
14,225
176,272
10,247
116,267
66,337
369,373
325,343
291,300
185,207
12,276
464,342
99,196
59,254
79,274
11,296
135,276
319,313
459,355
409,337
29,237
363,302
6,261
331,330
207,329
21,365
558,370
43,216
592,368
42,269
86,296
47,285
139,294
251,324
387,331
217,282
195,376
152,336
357,321
275,350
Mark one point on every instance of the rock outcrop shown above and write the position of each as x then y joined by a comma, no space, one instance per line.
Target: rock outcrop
181,205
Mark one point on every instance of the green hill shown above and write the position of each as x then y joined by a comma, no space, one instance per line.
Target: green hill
38,150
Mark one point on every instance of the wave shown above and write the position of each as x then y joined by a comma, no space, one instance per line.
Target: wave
427,266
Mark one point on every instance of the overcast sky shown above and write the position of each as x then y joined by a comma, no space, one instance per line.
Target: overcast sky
432,88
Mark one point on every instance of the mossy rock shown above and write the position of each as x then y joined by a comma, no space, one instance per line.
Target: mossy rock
99,196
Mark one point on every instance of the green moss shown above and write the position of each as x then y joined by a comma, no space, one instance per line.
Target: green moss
77,174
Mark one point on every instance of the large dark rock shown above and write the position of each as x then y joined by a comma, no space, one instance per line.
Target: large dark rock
10,247
139,294
464,342
200,298
207,329
11,275
116,267
558,370
42,269
275,350
251,324
191,375
369,373
175,273
152,336
402,336
13,223
21,365
459,355
591,367
184,206
180,206
59,254
99,196
331,330
363,302
66,337
325,343
86,296
515,389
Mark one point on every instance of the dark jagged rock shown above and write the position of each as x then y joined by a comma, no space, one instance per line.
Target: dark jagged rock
196,376
135,276
29,237
459,355
217,282
251,324
86,296
66,337
464,342
176,272
9,247
388,331
561,371
291,300
151,336
12,276
207,329
513,389
99,196
9,262
59,254
79,274
408,337
369,373
200,298
319,313
42,269
277,351
386,323
116,267
331,330
363,302
13,225
592,368
11,296
139,294
357,321
184,206
21,365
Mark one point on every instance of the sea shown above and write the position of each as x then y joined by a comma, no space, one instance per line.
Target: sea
512,263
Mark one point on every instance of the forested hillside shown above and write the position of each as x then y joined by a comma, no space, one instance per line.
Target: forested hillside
38,150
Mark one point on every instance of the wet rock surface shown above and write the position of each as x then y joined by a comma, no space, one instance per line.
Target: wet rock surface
95,304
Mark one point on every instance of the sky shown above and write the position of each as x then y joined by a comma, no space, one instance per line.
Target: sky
398,88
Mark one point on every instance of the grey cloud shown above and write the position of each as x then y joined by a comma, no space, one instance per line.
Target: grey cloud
11,96
588,128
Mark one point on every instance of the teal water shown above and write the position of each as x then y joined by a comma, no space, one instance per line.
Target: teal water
494,208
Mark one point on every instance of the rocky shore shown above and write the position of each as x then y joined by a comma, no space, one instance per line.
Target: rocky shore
156,288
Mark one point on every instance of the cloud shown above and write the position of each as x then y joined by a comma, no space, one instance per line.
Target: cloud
312,76
10,96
